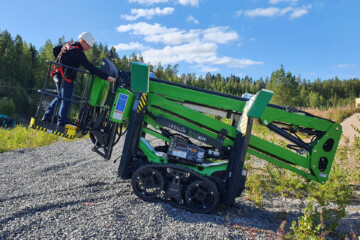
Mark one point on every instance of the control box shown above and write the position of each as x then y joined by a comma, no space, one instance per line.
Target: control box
181,149
122,105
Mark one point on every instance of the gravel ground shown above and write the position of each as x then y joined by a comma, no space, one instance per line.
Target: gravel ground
66,191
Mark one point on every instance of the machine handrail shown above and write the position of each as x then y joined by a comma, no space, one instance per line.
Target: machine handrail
66,99
66,66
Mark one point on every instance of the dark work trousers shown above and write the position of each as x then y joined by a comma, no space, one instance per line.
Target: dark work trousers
66,92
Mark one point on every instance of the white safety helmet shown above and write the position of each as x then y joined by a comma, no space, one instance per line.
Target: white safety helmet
88,38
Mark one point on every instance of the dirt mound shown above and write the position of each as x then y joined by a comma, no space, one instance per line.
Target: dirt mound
348,129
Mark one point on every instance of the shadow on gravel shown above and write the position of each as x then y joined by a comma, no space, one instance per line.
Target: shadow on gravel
260,217
39,209
17,197
93,187
33,211
63,165
237,216
354,219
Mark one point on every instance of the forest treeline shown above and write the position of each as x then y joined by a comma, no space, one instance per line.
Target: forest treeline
23,69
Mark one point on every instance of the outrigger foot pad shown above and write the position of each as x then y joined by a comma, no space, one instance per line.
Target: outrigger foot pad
68,131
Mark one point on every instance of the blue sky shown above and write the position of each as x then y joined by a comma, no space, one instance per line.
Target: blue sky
314,39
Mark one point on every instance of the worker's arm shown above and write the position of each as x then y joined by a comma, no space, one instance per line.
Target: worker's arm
91,68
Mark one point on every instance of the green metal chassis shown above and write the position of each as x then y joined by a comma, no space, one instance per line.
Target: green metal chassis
165,100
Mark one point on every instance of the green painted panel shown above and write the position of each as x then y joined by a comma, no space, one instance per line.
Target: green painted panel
158,112
177,109
272,114
262,99
99,91
277,151
189,95
320,152
139,77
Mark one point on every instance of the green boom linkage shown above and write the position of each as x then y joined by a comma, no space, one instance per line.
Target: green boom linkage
164,106
177,150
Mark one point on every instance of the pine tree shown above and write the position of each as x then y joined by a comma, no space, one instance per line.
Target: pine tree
285,88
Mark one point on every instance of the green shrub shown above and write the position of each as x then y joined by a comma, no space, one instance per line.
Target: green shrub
272,181
21,100
337,188
7,106
356,145
255,187
307,226
316,223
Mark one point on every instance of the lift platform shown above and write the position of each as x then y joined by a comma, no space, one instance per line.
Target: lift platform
196,160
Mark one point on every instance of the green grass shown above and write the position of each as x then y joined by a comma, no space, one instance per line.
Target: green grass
22,137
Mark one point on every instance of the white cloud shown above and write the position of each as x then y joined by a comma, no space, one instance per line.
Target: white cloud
192,19
219,35
129,46
148,2
196,52
274,12
266,12
298,12
286,10
147,13
173,36
194,46
239,12
190,53
143,28
345,66
193,3
207,69
232,62
279,1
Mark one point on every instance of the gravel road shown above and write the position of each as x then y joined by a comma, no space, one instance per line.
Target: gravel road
66,191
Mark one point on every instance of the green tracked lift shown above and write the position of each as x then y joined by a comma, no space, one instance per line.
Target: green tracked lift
177,151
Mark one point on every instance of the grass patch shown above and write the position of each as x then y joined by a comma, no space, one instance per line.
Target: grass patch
22,137
335,114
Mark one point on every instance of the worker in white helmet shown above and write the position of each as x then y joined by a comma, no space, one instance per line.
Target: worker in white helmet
71,54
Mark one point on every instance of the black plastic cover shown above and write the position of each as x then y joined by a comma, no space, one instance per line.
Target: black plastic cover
125,78
108,67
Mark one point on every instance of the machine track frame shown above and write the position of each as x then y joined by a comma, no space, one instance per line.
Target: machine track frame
180,186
